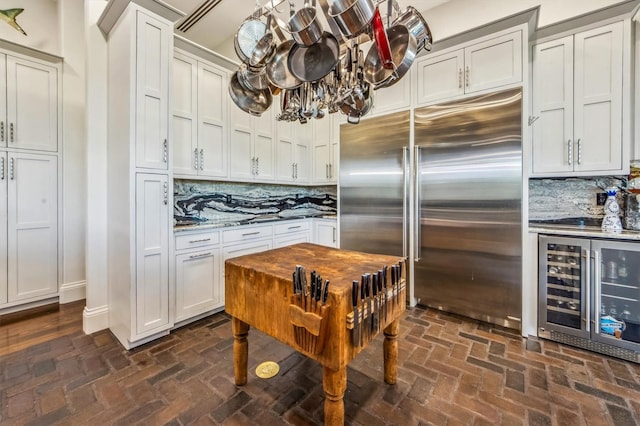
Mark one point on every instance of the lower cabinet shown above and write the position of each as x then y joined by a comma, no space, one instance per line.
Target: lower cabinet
325,232
291,232
29,227
198,283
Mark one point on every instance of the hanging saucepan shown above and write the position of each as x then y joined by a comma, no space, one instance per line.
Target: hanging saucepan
265,47
304,26
278,69
415,23
354,113
403,50
311,63
253,102
253,78
247,37
352,16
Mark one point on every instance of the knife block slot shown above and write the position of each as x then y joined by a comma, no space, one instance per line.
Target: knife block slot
395,305
309,328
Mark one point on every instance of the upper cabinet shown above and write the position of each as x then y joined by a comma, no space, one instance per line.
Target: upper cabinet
28,104
577,103
488,64
292,152
200,139
325,150
252,146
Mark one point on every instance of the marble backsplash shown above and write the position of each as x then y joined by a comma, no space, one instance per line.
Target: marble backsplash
570,197
207,201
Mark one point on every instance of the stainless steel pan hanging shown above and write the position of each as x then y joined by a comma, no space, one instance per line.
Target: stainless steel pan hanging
252,102
403,50
311,63
352,16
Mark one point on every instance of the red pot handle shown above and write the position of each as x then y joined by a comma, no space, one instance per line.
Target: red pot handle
382,42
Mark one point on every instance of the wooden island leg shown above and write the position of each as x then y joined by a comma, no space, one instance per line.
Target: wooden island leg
334,384
391,352
240,350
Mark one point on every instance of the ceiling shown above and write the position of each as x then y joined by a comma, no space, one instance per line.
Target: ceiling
212,23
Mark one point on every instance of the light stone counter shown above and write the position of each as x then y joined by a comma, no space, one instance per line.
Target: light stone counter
583,231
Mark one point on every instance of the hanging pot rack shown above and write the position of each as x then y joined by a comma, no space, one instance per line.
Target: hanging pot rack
318,71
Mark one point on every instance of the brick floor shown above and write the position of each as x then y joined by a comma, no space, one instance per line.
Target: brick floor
453,371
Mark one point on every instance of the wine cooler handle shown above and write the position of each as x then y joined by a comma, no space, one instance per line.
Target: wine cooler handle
596,291
406,172
417,219
587,286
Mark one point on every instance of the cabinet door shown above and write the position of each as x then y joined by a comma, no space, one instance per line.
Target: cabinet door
241,158
32,105
152,252
288,240
334,165
440,77
3,100
152,91
3,227
285,169
598,99
493,63
301,161
264,146
212,119
393,98
185,111
552,100
321,150
325,233
198,287
32,216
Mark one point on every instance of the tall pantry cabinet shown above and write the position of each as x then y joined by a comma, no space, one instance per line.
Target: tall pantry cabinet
29,183
139,176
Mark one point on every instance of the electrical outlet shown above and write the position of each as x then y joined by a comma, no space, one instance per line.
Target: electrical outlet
601,197
228,198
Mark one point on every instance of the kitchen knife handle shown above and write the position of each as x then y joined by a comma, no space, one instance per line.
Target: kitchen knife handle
363,287
354,293
417,219
325,293
406,172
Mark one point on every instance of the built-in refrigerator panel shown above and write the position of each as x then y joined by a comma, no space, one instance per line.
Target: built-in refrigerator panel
468,188
563,301
373,184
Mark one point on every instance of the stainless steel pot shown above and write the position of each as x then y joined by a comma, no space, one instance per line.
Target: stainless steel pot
311,63
415,23
247,37
252,102
253,78
304,26
403,50
264,48
278,69
352,16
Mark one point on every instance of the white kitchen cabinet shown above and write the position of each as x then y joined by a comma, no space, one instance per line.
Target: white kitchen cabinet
200,139
140,185
325,232
325,150
198,286
29,210
577,102
393,98
291,232
252,146
28,104
152,252
490,63
153,45
292,153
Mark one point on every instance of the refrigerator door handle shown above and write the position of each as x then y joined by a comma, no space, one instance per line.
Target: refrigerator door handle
417,219
596,291
406,170
587,282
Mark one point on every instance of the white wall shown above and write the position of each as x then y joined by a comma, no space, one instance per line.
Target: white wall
39,20
457,16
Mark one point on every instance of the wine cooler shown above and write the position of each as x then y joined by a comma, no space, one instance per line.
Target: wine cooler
589,294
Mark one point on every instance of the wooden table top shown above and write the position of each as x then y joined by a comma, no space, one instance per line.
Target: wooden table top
259,287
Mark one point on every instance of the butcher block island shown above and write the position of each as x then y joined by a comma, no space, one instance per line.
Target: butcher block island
275,292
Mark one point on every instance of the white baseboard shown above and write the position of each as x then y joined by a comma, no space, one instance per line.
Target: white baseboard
71,292
95,319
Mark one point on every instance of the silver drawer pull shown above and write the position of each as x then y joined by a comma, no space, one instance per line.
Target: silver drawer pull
295,227
202,240
1,168
195,256
251,233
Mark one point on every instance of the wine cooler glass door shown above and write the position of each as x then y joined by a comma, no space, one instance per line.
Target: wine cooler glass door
564,287
617,293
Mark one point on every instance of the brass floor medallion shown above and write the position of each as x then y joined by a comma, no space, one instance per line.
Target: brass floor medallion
267,369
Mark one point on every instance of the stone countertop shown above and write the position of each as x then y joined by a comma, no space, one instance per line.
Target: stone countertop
582,231
254,221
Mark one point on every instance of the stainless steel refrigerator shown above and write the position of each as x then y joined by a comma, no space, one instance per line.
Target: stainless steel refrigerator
463,176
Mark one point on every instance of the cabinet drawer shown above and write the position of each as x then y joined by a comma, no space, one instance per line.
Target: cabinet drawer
291,226
199,239
244,233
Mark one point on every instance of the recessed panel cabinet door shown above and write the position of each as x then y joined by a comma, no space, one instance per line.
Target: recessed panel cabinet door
212,119
32,200
3,227
152,252
152,92
440,77
3,101
198,288
185,104
493,63
32,105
